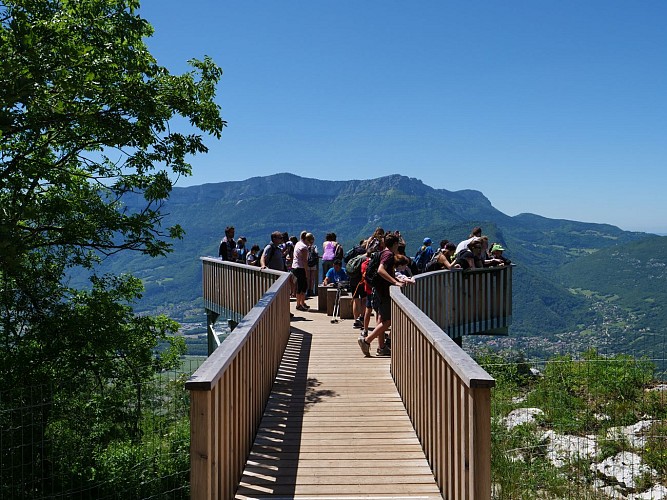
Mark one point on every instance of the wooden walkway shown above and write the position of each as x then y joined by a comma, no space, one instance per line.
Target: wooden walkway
335,425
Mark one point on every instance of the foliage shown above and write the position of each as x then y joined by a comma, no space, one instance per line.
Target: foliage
632,275
518,466
573,392
87,160
584,397
655,451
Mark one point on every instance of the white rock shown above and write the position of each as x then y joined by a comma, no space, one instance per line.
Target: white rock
521,416
623,468
518,399
612,493
658,492
633,433
562,449
658,388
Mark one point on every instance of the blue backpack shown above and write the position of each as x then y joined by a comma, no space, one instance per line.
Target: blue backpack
422,257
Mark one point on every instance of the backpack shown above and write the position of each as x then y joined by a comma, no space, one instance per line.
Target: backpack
338,253
421,258
434,265
353,252
313,257
372,276
353,267
269,255
241,255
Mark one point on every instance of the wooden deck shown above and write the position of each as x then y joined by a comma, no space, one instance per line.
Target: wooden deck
335,425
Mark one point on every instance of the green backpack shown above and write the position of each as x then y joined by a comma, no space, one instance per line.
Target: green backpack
353,267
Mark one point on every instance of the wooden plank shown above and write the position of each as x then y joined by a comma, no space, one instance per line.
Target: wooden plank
335,424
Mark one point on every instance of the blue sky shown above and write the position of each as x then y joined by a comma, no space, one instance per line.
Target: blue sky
551,107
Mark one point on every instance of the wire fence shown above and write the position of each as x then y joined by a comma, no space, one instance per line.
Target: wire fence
92,444
582,424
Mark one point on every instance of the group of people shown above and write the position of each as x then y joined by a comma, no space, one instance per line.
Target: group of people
236,250
383,252
475,252
278,254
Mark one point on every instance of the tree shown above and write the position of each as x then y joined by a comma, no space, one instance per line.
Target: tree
85,126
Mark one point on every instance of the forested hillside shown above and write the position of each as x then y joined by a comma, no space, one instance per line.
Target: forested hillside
547,252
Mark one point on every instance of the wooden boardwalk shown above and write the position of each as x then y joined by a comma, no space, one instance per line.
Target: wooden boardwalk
335,425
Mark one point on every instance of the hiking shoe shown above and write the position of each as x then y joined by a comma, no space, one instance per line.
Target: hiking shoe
301,308
384,351
365,334
365,348
358,324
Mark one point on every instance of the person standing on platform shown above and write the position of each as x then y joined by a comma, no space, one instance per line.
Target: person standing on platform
299,267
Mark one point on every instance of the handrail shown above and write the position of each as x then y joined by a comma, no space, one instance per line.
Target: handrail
248,282
448,398
468,302
230,389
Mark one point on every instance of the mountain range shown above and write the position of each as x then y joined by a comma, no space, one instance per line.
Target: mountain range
570,277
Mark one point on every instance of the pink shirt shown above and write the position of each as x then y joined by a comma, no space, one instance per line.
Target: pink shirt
329,250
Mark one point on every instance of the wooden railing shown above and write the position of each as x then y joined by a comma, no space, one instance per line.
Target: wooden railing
466,302
248,284
448,398
229,391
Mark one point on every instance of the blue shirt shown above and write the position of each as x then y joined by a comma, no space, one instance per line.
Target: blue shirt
334,277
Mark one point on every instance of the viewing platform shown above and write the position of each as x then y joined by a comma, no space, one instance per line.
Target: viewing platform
292,409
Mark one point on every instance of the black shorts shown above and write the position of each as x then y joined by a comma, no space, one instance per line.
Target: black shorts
382,305
301,281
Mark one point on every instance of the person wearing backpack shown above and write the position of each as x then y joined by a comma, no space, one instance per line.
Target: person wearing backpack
442,259
272,257
424,255
227,248
299,265
241,250
311,270
353,268
381,279
360,249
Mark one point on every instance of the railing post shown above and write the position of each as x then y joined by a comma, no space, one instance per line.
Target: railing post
480,399
203,475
